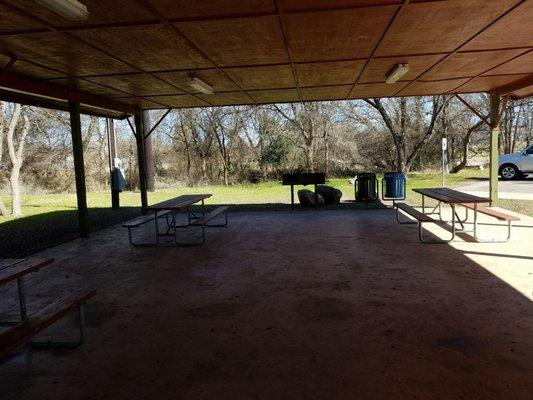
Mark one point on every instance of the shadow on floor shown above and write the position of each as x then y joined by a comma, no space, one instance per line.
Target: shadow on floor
285,305
24,236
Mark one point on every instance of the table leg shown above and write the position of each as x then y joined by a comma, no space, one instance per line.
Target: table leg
22,299
423,205
453,220
475,220
156,229
203,208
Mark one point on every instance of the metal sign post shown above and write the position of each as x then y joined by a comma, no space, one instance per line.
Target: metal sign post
443,147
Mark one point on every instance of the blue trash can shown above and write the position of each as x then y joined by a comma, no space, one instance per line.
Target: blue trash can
393,186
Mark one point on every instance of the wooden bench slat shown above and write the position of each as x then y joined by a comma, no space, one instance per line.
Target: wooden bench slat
418,215
15,271
493,213
208,217
143,219
23,332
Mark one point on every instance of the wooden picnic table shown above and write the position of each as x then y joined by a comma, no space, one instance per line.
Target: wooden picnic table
27,327
451,197
17,269
179,202
174,206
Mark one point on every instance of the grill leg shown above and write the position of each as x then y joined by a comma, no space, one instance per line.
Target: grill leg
292,197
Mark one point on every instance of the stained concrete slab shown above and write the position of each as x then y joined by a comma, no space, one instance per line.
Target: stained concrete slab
337,304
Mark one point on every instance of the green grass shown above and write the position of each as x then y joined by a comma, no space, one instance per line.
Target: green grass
268,192
50,219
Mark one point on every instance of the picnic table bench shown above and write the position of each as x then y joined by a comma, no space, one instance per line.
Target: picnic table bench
22,331
499,215
169,209
204,221
420,218
453,198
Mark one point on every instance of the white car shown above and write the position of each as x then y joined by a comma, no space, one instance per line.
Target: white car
513,166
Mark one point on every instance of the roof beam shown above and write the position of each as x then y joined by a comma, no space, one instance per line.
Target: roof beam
53,28
6,68
481,117
515,86
157,123
127,94
56,104
47,89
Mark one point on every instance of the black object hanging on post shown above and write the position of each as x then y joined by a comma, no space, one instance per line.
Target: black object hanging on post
366,187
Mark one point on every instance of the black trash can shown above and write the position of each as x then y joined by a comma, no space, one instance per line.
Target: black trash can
366,187
393,186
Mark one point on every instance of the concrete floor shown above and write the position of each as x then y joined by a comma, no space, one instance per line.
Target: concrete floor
339,304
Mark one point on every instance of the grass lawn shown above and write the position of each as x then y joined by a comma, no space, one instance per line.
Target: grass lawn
50,219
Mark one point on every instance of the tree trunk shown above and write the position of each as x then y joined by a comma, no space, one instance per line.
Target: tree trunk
204,168
464,158
15,154
400,144
3,209
311,155
16,209
326,153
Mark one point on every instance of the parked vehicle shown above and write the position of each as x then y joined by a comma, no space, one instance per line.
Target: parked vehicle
516,165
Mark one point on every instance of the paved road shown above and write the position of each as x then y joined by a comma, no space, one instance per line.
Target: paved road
518,190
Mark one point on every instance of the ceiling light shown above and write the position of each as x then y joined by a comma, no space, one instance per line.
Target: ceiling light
200,85
397,72
70,9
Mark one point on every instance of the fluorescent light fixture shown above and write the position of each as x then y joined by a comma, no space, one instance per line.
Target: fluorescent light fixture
70,9
200,85
397,72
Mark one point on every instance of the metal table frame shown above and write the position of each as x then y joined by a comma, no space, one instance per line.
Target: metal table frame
172,225
470,199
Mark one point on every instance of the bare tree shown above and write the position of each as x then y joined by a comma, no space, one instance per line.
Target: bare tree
15,146
3,209
398,130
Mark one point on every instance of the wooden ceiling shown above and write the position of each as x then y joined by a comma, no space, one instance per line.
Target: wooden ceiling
139,53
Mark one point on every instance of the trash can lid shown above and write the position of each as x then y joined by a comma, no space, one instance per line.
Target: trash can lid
366,175
393,174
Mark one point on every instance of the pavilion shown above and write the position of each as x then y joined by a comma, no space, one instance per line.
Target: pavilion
269,311
132,55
